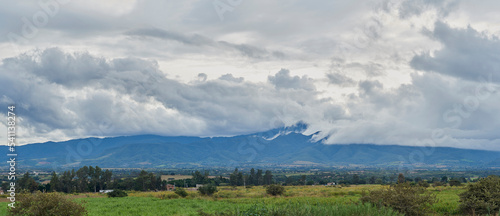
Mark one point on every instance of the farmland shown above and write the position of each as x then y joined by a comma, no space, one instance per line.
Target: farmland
297,200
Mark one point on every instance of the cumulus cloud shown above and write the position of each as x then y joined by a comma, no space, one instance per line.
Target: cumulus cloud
283,80
409,114
80,92
231,78
466,53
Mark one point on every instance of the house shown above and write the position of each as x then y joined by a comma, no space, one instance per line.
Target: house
330,184
105,191
170,187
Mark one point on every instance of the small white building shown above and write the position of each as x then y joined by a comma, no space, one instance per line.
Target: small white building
105,191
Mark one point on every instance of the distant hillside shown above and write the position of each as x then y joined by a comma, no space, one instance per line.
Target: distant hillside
279,147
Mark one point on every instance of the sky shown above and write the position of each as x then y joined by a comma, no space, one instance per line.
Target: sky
414,72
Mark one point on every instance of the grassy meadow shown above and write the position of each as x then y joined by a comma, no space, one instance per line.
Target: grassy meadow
297,200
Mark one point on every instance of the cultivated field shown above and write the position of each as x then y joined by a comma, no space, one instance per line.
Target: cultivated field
297,200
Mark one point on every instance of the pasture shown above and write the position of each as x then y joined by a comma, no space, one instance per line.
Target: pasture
297,200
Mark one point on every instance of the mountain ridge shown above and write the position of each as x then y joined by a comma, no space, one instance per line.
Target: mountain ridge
276,147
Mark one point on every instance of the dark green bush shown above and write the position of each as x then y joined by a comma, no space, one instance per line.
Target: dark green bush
208,189
275,190
117,193
482,197
437,184
455,182
407,199
46,204
181,192
424,184
168,196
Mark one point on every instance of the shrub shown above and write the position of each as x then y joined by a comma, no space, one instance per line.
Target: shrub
45,204
117,193
424,184
482,197
208,189
181,192
437,184
455,182
168,196
407,199
275,190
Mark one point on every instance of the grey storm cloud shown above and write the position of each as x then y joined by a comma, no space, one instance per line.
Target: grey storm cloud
77,91
132,96
368,87
466,53
408,114
199,40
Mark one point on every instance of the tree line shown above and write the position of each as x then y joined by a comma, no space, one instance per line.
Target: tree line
93,179
237,178
85,179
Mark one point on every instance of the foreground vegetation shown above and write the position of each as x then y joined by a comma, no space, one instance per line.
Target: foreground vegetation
296,200
402,198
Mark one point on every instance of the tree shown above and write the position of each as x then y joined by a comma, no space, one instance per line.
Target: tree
107,175
401,178
82,176
482,197
259,178
303,180
27,183
141,181
96,178
198,178
355,179
92,182
252,178
444,179
66,181
268,178
233,178
240,179
206,177
54,183
418,179
207,189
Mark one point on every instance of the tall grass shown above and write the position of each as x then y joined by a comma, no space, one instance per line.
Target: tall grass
299,200
302,209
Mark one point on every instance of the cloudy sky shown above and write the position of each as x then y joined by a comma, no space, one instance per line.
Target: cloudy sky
383,71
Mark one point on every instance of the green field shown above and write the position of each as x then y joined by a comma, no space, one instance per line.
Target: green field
298,200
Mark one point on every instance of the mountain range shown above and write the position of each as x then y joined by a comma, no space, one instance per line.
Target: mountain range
282,147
